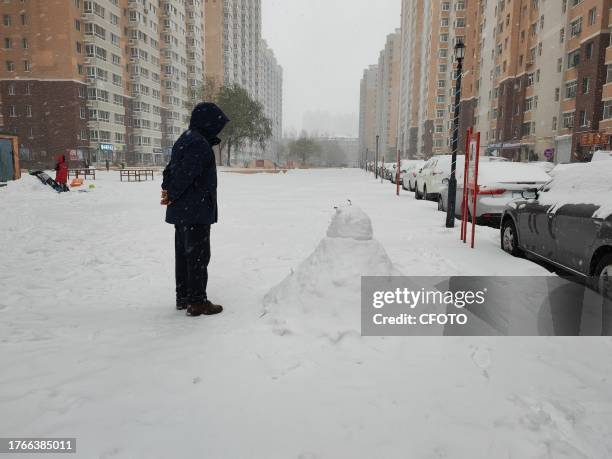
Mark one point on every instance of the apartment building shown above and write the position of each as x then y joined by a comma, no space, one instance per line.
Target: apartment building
99,80
176,92
367,111
271,90
387,97
43,88
536,79
414,33
585,75
144,88
233,39
236,54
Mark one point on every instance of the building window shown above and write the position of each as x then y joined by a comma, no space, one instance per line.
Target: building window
573,59
11,90
6,20
10,66
8,43
29,111
83,114
576,27
12,111
607,110
27,66
589,50
570,89
28,89
25,44
592,16
24,19
568,120
583,119
586,85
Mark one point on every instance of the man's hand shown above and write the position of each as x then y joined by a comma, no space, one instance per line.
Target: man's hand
164,198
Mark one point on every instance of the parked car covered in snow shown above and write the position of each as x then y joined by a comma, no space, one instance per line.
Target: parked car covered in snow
499,183
404,165
429,182
409,176
567,222
546,166
389,170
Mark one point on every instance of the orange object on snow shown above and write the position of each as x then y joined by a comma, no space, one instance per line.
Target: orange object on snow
76,182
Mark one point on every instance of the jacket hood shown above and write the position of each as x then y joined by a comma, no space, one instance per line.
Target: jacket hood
209,120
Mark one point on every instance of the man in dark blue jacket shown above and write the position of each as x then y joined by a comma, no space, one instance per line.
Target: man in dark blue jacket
189,190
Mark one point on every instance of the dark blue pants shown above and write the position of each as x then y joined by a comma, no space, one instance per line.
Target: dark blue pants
192,252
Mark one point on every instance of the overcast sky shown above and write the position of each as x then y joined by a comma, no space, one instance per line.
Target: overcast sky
323,46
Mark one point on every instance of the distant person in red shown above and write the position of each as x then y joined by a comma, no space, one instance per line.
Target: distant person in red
61,173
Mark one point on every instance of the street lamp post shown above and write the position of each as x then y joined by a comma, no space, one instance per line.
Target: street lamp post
452,183
376,162
365,166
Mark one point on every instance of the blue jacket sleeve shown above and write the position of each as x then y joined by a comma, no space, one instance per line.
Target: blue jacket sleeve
184,171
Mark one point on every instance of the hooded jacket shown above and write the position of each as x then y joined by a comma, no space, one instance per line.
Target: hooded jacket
191,176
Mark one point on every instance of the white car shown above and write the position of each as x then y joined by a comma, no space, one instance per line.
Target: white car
404,165
410,173
544,165
499,183
389,170
430,180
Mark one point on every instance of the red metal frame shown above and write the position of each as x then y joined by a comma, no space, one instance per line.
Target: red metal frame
464,199
475,189
470,189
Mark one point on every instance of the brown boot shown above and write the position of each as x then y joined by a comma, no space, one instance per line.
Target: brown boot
207,309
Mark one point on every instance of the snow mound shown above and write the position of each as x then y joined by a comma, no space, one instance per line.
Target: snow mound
350,223
27,184
322,296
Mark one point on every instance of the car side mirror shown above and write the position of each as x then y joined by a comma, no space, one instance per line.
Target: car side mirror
445,181
530,194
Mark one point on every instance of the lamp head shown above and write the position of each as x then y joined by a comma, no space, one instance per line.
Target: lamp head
460,50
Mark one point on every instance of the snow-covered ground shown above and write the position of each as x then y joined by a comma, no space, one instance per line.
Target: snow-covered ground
91,346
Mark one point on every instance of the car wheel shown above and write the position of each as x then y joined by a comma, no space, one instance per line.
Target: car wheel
603,275
509,238
417,195
441,204
410,187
